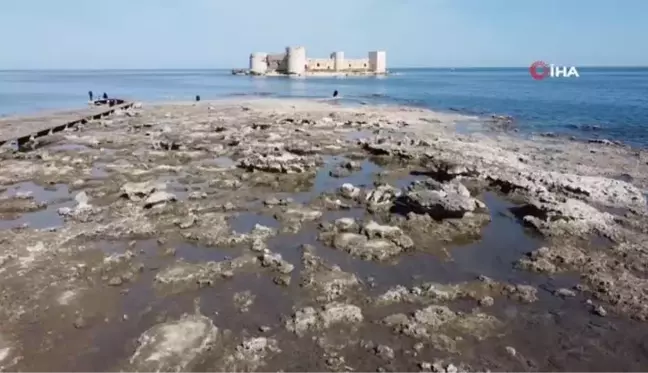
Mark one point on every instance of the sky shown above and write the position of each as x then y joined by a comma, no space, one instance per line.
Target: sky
149,34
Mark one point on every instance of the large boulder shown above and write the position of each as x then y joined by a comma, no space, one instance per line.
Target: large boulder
382,194
439,200
139,191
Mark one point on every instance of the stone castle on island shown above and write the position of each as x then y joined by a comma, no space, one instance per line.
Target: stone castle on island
295,62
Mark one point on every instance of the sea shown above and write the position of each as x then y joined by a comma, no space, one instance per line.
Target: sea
609,103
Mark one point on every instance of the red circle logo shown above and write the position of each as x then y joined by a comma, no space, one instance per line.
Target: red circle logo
539,70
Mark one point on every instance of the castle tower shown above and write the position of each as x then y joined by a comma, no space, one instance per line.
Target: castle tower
259,63
296,60
338,60
378,62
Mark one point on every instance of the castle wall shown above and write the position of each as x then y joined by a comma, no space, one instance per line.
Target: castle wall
277,62
337,64
317,64
356,64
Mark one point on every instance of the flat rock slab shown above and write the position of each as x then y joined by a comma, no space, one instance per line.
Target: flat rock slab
15,127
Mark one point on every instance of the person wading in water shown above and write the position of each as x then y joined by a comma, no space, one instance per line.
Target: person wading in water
335,93
90,95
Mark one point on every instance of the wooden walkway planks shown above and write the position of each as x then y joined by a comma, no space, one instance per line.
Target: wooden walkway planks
22,128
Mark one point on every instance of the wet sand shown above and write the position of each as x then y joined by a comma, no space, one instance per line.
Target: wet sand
267,235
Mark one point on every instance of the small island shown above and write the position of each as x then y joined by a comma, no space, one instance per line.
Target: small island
294,62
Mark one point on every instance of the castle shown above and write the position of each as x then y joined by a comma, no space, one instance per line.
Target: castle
295,62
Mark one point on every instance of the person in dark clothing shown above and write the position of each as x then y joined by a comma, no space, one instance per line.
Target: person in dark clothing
90,95
197,97
335,93
105,96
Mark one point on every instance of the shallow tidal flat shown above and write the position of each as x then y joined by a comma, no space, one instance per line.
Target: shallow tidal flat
269,235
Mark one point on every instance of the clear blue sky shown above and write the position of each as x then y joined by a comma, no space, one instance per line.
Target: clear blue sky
222,33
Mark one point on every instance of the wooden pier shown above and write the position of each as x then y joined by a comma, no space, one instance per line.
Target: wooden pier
23,128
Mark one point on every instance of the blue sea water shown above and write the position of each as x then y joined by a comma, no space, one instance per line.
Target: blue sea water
607,103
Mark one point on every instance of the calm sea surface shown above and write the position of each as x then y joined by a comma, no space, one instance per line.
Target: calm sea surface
604,102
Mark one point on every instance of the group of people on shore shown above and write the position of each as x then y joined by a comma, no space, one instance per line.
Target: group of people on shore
91,96
104,100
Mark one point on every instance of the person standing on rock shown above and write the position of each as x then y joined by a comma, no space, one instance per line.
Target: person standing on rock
105,96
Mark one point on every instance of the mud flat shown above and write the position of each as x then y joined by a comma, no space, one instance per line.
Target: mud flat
269,235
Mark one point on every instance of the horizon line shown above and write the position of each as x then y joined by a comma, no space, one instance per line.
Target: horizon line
229,68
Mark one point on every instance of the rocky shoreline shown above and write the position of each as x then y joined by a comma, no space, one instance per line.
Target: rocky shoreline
260,235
